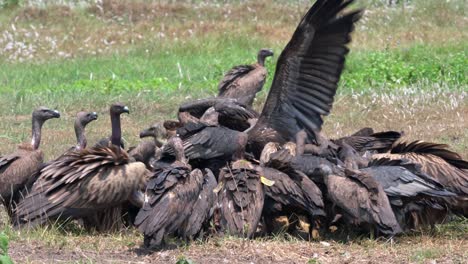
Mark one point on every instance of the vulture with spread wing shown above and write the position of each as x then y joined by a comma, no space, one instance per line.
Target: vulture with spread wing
86,183
307,75
18,170
243,82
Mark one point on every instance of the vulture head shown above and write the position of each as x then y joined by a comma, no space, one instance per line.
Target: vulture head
269,149
291,147
156,131
263,54
118,109
43,114
84,118
39,116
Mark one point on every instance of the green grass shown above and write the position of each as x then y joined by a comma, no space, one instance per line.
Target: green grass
166,72
4,241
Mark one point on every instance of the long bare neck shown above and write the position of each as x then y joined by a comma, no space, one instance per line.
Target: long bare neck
116,129
178,149
157,142
80,135
36,133
241,144
261,60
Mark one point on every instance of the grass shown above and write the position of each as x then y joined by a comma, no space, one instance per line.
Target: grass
406,71
72,246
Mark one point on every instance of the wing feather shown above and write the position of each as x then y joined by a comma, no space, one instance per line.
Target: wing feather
309,69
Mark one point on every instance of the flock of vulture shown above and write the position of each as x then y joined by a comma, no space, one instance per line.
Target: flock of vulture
222,167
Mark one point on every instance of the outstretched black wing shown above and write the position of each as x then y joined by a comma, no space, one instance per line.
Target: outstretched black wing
309,69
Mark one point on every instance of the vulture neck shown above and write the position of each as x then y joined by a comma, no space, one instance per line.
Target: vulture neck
157,142
261,60
116,130
242,139
80,135
36,133
178,146
180,155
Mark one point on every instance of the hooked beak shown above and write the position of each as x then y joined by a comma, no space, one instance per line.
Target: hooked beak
126,110
55,114
145,133
94,116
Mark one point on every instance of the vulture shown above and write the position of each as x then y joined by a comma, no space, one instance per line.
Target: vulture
86,183
231,113
291,192
243,82
362,201
292,157
178,200
339,153
441,164
240,195
376,142
307,75
412,194
171,127
81,121
149,151
206,143
18,170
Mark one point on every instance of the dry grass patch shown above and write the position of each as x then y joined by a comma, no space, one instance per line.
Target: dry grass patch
110,26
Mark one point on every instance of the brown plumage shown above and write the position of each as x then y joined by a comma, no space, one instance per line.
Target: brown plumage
362,201
19,169
240,195
307,75
206,143
243,82
375,142
441,164
231,113
240,199
413,195
292,191
177,200
147,151
316,168
88,182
